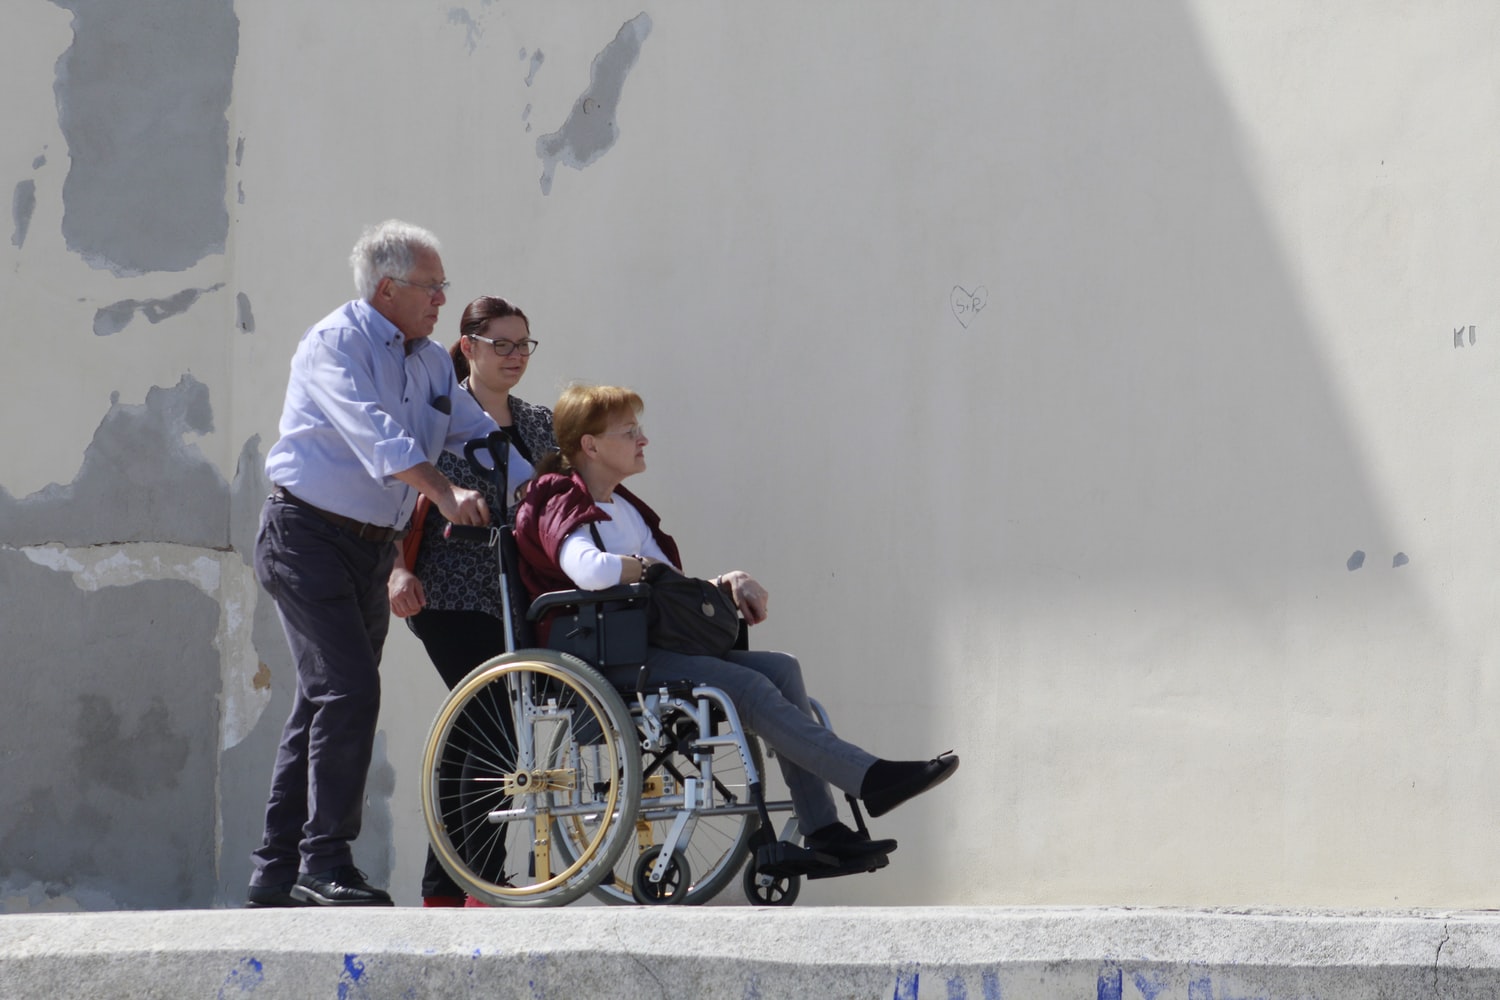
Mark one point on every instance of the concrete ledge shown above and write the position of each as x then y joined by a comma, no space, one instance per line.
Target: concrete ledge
957,953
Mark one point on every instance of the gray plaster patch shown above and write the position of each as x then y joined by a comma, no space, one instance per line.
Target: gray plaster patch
138,481
111,319
22,204
1356,560
538,57
239,151
109,738
591,130
39,162
142,95
244,319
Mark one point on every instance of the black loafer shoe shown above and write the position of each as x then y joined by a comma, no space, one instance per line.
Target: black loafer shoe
889,783
846,844
266,896
344,886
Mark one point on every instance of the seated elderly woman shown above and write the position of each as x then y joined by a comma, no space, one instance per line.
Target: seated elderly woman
577,497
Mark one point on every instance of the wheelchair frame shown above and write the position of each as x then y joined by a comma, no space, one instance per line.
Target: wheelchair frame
535,755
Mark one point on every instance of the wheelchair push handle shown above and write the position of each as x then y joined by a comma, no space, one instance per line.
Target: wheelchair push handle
497,444
478,534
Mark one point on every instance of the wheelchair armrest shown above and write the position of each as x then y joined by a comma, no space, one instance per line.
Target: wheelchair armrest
577,598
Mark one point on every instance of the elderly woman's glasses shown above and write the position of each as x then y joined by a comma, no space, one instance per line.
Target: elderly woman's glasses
505,347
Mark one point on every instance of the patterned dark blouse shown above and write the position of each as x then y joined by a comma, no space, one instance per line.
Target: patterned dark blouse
463,577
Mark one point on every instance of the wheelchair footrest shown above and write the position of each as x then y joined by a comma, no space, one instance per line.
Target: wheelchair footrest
854,866
781,859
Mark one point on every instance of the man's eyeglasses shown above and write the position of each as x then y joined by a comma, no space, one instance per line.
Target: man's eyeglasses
435,289
505,347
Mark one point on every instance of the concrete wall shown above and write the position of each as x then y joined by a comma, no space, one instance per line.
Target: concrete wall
1100,390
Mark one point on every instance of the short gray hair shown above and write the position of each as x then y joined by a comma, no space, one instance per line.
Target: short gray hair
387,251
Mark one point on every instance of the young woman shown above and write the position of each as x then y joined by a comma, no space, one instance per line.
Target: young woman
449,594
602,444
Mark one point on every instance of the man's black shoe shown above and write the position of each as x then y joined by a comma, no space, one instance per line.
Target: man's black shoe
265,896
889,783
846,844
345,886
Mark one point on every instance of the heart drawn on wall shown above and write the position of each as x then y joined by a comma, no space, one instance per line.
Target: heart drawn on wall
966,304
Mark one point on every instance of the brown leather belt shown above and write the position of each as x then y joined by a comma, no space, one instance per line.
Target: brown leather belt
359,529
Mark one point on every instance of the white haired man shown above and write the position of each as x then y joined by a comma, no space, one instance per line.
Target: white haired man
370,404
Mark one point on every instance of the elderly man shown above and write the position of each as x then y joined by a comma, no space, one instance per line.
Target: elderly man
370,404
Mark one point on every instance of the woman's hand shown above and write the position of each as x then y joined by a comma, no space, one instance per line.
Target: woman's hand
405,591
750,597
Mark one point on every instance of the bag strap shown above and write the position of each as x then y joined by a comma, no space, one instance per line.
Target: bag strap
413,540
594,530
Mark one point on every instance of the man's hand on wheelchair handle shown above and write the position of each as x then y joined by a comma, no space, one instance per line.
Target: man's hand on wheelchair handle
465,507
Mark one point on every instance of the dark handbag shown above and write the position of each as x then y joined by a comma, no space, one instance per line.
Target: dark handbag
688,615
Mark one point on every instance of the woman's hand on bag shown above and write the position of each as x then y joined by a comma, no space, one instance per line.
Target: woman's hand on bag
750,597
406,593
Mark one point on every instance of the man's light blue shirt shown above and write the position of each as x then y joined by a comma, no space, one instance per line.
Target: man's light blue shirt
359,409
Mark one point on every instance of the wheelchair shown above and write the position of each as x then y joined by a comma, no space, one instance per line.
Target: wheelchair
544,782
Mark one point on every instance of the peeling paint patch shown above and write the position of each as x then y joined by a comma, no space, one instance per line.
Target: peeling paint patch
538,57
591,129
22,204
113,318
142,99
244,319
262,679
139,481
96,567
39,162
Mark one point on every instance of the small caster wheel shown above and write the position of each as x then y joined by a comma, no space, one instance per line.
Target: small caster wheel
673,887
770,890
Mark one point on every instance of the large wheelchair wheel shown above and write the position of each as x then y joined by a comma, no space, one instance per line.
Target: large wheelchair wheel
528,740
720,842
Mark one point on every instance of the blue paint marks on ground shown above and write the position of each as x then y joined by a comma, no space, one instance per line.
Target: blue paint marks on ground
990,984
351,986
1149,988
243,978
1111,983
908,981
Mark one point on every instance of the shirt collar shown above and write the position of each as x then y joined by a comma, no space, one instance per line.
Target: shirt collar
382,330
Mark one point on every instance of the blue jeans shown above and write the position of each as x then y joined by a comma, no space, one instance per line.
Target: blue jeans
330,591
771,699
